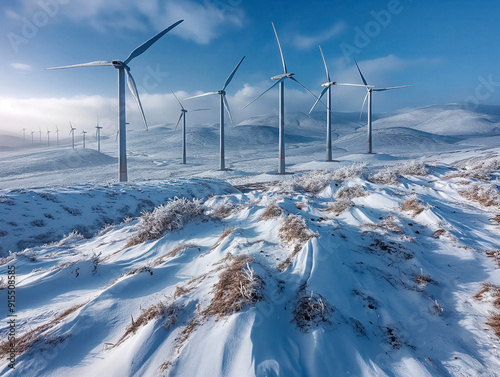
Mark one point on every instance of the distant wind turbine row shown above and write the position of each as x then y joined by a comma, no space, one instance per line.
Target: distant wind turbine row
124,70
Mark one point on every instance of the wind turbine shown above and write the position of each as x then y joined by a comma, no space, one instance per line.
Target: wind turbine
183,117
32,141
223,104
280,79
124,69
98,135
327,88
40,131
57,135
24,134
48,138
72,132
369,91
84,133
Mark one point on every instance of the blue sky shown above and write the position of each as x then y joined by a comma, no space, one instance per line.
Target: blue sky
447,50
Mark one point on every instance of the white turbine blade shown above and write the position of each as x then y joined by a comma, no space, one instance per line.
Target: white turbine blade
202,95
344,84
182,107
142,48
319,98
135,93
281,51
198,110
294,79
362,77
363,107
264,92
326,68
390,88
230,77
90,64
177,125
226,105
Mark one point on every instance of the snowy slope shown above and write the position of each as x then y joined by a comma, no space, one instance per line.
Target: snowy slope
373,265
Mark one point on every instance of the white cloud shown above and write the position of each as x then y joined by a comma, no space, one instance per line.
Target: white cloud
204,20
308,41
21,66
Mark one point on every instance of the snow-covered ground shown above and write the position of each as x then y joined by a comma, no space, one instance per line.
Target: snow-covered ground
372,265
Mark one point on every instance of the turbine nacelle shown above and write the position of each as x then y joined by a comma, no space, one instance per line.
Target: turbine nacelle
279,77
118,64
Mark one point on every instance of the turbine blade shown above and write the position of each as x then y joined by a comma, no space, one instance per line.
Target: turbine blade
281,51
363,107
199,110
202,95
90,64
230,77
326,68
390,88
226,105
142,48
319,98
133,90
177,125
264,92
362,77
294,79
344,84
182,107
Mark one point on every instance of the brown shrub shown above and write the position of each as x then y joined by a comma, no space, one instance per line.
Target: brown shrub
340,206
293,231
482,193
272,211
238,285
495,220
439,233
414,206
26,341
311,310
350,192
495,255
491,292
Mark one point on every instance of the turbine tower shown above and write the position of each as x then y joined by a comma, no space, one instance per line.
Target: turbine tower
57,136
48,138
280,79
84,133
223,104
40,132
327,88
24,134
32,140
98,135
72,132
369,91
124,69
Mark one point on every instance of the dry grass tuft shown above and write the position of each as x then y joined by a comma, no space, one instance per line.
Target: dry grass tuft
26,341
495,220
415,206
311,310
390,224
157,311
414,167
482,193
293,231
340,206
350,192
477,169
440,233
223,236
172,253
422,279
272,211
386,176
491,293
238,286
495,255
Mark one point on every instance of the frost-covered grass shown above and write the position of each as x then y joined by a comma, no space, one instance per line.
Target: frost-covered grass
486,194
390,175
311,310
477,169
169,217
317,180
350,192
272,211
340,206
295,233
414,206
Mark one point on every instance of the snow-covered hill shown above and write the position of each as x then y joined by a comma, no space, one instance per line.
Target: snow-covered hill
373,265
